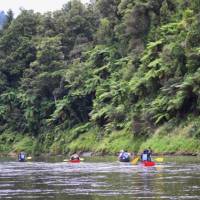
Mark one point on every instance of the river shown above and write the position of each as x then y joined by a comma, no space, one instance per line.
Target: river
99,179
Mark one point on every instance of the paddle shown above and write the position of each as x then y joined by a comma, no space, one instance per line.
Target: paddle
135,160
159,159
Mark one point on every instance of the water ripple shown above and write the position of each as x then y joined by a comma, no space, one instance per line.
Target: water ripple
41,180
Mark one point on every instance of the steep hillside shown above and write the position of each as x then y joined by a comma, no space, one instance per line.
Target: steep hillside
111,75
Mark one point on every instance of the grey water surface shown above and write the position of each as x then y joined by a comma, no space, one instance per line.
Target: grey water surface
99,179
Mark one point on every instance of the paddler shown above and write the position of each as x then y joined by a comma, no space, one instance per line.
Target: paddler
75,157
146,155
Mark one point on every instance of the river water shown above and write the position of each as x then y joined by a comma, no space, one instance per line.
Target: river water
100,179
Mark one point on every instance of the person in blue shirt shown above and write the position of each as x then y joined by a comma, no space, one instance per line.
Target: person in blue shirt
22,157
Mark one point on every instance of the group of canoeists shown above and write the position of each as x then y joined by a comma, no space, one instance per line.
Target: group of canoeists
145,157
22,157
124,156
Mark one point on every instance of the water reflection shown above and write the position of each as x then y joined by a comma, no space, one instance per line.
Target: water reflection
98,181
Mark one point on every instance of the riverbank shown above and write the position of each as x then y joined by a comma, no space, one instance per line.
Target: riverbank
166,140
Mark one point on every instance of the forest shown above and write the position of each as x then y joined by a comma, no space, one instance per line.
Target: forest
100,77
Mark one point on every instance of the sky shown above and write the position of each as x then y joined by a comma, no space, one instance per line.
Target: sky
36,5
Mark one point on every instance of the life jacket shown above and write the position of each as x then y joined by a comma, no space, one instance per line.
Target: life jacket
144,157
124,155
21,156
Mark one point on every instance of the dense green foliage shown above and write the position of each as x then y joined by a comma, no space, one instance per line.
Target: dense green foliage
102,77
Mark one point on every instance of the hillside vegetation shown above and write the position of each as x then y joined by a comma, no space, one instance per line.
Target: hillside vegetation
110,75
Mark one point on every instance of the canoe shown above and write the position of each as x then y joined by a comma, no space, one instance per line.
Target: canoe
74,161
148,163
124,159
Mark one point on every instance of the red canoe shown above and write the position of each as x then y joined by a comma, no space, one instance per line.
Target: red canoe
74,161
148,163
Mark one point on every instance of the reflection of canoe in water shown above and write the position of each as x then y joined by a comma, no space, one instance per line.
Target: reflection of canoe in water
22,160
74,161
148,163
